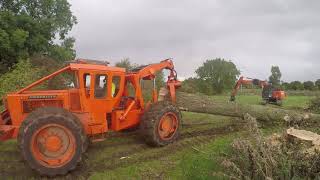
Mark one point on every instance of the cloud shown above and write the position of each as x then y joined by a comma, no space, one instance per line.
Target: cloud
253,34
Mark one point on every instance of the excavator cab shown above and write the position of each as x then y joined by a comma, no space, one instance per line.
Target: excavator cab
273,95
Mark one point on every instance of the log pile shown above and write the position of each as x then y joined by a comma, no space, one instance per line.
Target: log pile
266,114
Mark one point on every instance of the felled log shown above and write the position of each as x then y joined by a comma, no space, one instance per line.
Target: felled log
308,141
304,135
267,114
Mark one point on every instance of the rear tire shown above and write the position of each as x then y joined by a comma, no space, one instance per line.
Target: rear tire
52,141
161,124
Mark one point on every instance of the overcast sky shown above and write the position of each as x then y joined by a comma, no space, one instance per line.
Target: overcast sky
254,34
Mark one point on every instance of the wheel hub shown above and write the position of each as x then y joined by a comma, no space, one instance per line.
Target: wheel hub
53,143
168,126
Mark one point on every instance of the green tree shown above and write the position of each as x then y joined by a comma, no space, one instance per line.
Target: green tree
160,81
28,27
285,85
63,52
217,75
296,85
125,63
317,84
275,76
21,74
190,85
308,85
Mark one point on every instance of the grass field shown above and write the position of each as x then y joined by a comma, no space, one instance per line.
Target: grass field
291,102
124,155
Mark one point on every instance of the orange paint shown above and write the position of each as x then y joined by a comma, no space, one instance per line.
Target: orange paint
168,126
276,95
53,145
95,105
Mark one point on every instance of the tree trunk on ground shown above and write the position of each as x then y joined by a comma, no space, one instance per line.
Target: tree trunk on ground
265,114
303,135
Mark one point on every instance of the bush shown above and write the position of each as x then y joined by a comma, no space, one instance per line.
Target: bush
21,75
252,158
275,157
314,105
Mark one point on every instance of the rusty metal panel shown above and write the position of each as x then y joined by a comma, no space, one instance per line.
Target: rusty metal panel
29,106
75,101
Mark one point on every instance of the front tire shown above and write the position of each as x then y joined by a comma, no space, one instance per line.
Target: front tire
52,141
161,124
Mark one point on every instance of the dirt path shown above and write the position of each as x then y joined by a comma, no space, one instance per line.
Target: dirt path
122,150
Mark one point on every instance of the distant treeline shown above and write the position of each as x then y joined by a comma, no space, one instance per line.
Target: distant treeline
28,32
218,76
298,85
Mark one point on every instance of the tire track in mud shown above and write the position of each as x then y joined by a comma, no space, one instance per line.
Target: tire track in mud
187,139
137,142
190,136
136,139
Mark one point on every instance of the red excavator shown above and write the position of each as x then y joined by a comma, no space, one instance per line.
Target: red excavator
270,94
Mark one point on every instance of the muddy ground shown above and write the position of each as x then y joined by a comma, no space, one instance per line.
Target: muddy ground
127,149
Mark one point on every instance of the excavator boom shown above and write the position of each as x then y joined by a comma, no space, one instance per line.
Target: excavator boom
244,81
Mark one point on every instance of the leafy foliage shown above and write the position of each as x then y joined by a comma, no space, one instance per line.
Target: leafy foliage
217,75
314,105
191,85
147,86
26,71
308,85
275,76
317,84
59,82
28,27
63,52
125,63
275,157
55,14
296,85
22,74
285,86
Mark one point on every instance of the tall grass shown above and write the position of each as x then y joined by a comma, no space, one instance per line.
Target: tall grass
258,157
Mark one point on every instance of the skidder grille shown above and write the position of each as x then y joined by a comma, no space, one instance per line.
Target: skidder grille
29,106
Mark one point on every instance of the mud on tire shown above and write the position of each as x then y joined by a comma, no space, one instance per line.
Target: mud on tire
50,117
151,121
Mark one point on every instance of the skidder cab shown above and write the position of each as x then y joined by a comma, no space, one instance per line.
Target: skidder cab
53,127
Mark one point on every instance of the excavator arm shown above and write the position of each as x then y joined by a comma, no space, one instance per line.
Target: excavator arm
243,81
